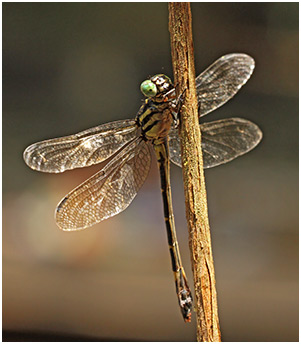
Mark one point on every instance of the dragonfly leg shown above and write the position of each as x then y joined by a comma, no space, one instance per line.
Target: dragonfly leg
177,105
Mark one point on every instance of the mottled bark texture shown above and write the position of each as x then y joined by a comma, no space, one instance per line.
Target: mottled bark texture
180,28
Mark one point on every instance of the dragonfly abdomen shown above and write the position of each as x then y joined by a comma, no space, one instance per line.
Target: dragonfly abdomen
182,288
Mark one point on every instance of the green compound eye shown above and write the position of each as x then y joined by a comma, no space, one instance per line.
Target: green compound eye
148,88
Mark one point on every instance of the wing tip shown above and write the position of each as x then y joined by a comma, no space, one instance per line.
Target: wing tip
249,59
66,224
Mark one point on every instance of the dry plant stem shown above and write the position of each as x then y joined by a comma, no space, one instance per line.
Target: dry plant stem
180,28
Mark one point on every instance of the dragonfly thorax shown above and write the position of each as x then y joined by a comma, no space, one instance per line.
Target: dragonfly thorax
155,119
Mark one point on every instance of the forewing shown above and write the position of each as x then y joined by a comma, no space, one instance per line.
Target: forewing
108,192
85,148
222,80
222,141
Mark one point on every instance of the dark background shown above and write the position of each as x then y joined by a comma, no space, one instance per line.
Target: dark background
71,66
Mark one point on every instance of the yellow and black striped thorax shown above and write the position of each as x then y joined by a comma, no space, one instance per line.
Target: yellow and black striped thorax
155,115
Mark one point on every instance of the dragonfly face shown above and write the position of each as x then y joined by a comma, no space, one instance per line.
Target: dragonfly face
157,87
112,189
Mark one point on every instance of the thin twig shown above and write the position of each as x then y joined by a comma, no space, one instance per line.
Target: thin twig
180,28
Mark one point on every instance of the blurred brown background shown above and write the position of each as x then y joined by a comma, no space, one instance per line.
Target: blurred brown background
71,66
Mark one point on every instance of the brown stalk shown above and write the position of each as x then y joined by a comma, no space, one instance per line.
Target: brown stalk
180,28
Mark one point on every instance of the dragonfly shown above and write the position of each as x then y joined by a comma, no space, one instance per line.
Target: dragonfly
127,144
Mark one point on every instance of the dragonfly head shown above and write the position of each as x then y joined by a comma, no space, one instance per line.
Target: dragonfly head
157,86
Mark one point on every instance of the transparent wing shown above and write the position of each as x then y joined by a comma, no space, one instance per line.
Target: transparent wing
222,141
108,192
85,148
222,80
